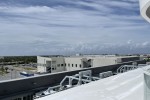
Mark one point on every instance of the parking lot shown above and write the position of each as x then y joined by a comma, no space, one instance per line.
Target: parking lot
13,72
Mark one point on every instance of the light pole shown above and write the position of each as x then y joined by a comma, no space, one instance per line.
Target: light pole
11,73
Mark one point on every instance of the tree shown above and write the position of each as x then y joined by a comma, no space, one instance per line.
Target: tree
2,68
6,68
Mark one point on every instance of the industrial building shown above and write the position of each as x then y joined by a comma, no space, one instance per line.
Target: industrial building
54,64
50,64
1,57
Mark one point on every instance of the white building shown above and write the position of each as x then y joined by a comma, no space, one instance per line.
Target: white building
58,64
50,64
1,57
77,62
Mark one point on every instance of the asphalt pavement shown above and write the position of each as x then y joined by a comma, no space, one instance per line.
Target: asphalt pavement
13,73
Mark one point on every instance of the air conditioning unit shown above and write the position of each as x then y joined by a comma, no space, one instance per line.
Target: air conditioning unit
105,74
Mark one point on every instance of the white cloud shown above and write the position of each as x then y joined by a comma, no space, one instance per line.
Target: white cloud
93,27
145,43
26,10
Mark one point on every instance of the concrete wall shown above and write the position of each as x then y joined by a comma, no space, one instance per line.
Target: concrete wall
75,63
41,67
104,61
19,86
79,62
57,64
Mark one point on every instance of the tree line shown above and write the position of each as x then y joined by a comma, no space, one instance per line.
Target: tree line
21,59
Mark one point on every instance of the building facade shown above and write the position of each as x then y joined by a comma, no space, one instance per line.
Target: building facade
58,64
50,64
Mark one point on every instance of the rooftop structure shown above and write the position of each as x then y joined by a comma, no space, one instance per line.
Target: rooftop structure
126,86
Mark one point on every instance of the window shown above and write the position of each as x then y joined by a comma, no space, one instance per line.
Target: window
76,65
72,65
58,65
80,65
68,65
65,64
44,64
62,64
53,69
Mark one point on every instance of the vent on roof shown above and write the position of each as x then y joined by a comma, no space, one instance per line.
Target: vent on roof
105,74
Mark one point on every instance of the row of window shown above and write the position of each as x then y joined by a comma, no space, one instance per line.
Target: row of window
54,68
69,65
61,65
74,65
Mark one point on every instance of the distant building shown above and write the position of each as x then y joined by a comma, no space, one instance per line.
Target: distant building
1,57
50,64
76,63
57,64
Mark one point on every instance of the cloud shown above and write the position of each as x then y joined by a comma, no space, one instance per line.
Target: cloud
145,43
37,27
26,10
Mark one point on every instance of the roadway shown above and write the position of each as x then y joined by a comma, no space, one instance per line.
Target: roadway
13,72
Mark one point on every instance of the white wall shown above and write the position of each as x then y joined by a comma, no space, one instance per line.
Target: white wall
59,65
41,61
55,62
75,61
104,61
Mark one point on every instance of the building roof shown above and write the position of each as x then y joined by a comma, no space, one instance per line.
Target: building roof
126,86
100,56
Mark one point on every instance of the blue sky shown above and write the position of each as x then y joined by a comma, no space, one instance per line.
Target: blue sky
42,27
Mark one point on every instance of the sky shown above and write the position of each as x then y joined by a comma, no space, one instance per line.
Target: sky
53,27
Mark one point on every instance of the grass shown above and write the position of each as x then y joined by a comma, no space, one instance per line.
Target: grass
16,65
2,72
28,68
